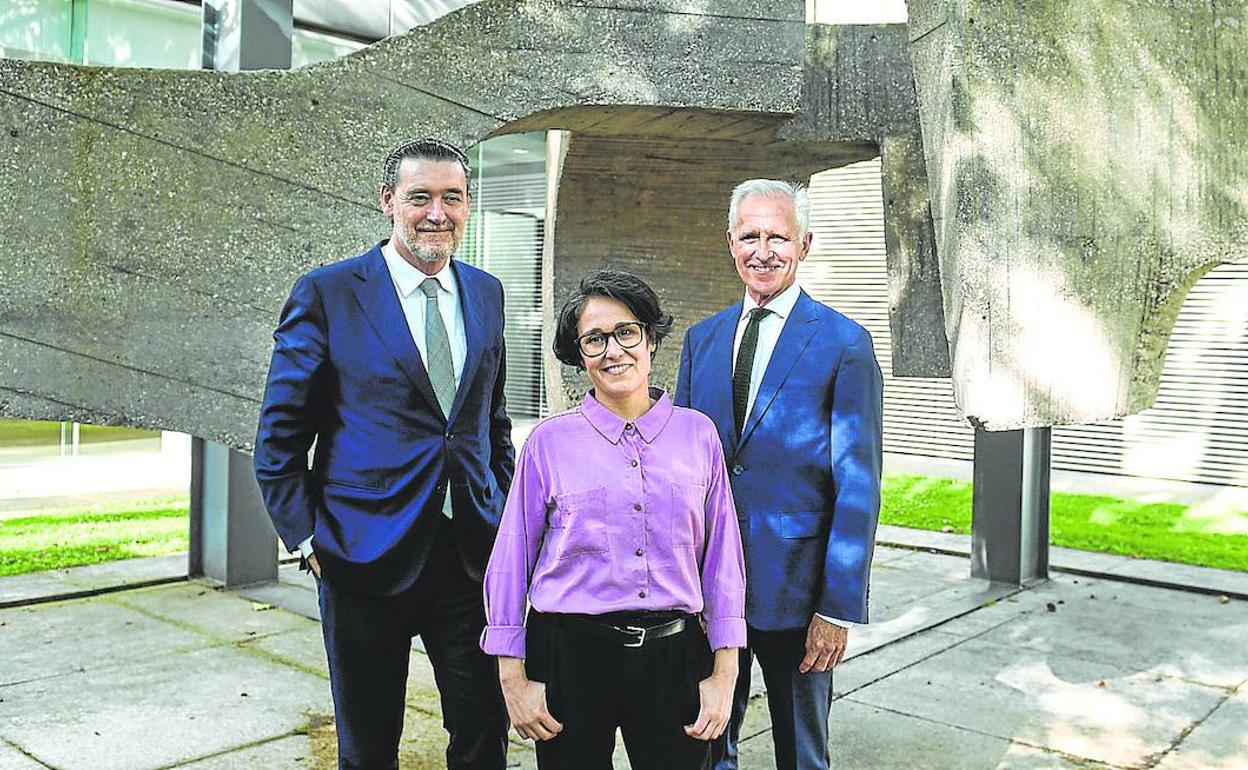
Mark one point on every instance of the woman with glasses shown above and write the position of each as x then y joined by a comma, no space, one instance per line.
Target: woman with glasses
620,533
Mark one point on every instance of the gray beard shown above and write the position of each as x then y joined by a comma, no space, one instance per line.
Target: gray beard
423,253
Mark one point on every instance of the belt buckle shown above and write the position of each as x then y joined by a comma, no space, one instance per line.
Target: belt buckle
640,632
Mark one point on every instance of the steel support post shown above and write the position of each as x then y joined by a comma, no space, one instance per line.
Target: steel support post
1010,506
232,541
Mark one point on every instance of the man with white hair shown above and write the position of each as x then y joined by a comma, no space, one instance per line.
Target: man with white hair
796,393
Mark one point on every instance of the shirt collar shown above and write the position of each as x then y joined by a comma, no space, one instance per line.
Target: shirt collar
408,278
611,425
781,304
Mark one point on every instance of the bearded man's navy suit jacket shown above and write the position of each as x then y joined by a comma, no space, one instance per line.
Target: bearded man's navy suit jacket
805,471
347,373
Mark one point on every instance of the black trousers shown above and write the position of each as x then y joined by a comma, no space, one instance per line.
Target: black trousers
368,640
595,685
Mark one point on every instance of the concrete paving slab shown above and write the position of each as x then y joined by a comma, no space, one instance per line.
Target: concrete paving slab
290,753
300,648
923,538
50,640
894,587
1077,707
862,670
1085,561
210,610
991,613
173,709
1107,624
902,619
936,565
1165,573
290,597
1220,742
12,759
21,589
863,737
883,554
111,574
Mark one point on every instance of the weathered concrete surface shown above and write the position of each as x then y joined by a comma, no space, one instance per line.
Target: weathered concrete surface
1088,163
648,200
156,219
629,193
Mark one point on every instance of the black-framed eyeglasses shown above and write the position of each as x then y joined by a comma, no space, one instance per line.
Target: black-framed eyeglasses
627,335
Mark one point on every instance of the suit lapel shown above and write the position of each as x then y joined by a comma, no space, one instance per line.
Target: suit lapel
472,304
376,294
798,331
719,390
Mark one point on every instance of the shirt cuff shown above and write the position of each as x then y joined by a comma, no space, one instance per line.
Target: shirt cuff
506,641
725,632
836,621
305,548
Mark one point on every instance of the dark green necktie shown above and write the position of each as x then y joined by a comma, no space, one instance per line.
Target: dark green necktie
438,360
745,363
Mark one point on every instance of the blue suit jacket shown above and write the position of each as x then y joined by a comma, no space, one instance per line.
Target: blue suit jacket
346,372
805,472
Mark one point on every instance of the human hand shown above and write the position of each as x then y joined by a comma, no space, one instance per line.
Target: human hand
526,702
314,566
715,696
825,646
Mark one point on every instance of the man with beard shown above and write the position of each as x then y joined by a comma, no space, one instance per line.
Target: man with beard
392,361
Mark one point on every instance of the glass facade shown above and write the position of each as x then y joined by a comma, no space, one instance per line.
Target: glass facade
37,29
505,237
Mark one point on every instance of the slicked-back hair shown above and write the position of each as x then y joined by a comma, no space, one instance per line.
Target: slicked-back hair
772,188
423,149
625,288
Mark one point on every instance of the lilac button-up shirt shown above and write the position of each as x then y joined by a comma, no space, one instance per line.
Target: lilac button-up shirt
605,515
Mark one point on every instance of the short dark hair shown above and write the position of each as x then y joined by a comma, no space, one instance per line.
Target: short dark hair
626,288
424,149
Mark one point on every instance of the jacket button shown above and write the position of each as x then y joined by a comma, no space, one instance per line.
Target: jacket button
737,469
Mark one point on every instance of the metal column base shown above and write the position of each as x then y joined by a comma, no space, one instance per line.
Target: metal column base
232,539
1010,508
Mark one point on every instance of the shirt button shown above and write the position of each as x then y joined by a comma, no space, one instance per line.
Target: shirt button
636,506
634,463
640,551
642,594
738,469
628,426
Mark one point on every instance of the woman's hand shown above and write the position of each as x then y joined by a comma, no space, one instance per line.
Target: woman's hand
715,695
526,702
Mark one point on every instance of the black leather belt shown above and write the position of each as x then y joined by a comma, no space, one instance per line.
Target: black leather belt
624,635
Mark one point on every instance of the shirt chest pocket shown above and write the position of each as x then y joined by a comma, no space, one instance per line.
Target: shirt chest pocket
578,524
688,515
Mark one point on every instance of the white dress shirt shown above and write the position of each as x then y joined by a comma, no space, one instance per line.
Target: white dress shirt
781,307
407,280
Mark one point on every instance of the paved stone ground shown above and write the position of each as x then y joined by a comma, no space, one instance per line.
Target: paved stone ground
1077,672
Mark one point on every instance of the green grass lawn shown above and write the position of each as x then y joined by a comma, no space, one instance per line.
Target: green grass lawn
43,433
1165,531
72,538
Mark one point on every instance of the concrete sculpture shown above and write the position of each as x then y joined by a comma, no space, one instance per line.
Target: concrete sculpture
155,219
